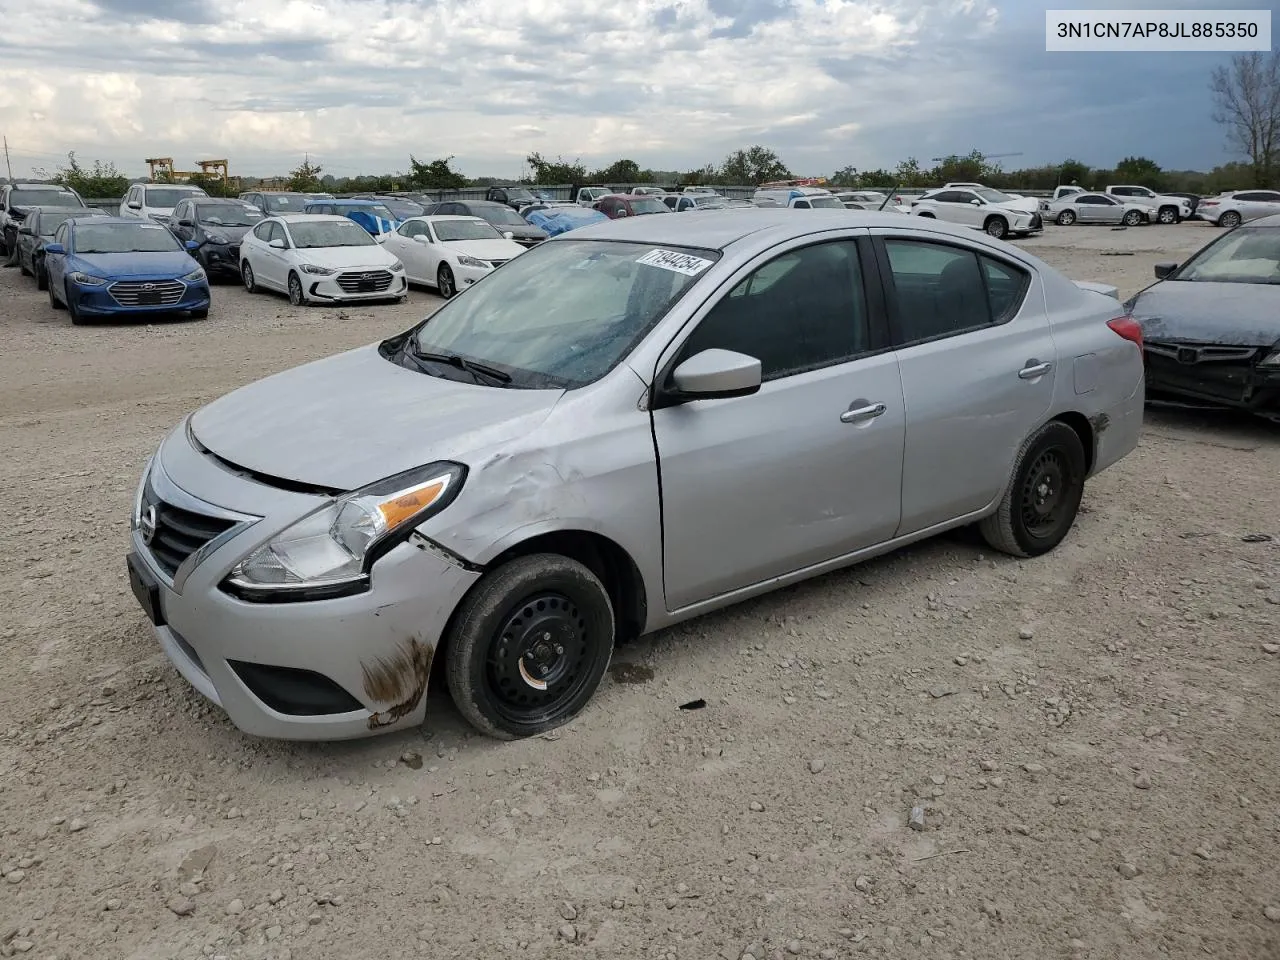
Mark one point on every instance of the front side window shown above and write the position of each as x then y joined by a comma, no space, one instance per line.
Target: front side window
941,290
263,231
803,310
411,229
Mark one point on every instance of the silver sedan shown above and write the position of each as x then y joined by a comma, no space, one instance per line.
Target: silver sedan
1095,208
627,426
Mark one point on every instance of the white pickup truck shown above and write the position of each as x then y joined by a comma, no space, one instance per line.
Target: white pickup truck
1164,209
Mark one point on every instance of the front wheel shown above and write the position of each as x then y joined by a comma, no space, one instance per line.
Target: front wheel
445,282
296,296
53,298
1132,218
529,646
42,277
247,277
77,318
1231,219
997,227
1167,215
1043,497
1066,218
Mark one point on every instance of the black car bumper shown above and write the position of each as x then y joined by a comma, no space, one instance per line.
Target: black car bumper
1214,375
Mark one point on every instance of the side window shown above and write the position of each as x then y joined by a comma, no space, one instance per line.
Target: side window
1252,196
941,290
803,205
277,233
803,310
60,235
1269,196
262,231
1094,201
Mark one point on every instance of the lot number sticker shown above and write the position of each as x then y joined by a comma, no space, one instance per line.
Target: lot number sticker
684,263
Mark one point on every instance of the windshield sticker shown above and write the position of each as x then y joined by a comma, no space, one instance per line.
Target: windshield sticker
683,263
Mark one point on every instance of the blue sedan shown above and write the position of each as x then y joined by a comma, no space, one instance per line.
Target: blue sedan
110,266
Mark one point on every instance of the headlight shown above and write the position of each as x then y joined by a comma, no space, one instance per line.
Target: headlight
397,267
1272,359
195,276
318,271
335,546
217,238
87,280
472,262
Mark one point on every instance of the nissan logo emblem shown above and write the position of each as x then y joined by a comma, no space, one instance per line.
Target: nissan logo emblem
147,523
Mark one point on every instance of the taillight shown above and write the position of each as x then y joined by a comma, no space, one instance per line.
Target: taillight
1128,328
1207,203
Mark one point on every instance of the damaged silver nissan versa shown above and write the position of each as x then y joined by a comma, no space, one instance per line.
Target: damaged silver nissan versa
624,427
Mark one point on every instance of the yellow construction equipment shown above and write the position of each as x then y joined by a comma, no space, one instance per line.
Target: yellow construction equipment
161,169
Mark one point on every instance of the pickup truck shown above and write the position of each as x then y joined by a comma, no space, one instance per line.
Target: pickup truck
586,196
1164,209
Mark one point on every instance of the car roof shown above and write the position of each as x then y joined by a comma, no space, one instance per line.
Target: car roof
112,219
441,217
308,217
40,186
352,200
716,230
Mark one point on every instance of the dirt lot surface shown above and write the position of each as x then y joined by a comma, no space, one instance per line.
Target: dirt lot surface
1092,735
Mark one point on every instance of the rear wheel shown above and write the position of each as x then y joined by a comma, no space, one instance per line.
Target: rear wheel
246,275
42,278
1132,218
1043,497
529,646
1231,219
445,282
296,295
1066,218
997,227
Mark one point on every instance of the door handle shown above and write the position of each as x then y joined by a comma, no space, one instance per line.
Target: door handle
1034,369
862,414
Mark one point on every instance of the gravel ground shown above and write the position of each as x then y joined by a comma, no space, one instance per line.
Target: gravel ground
1091,735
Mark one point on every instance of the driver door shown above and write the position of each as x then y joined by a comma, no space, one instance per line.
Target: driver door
412,244
807,469
965,210
276,261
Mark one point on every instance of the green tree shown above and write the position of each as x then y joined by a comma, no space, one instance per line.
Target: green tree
909,174
620,171
754,165
436,175
214,186
700,176
972,168
845,177
558,170
100,181
1140,171
306,177
1246,98
1073,171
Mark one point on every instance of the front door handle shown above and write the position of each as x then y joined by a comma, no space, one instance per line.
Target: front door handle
1034,369
861,412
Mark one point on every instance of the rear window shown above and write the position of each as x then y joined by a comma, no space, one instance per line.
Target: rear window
52,197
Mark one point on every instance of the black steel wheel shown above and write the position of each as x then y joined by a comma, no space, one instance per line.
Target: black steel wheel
1040,504
529,645
1167,215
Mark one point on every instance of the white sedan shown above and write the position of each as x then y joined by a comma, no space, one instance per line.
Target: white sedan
450,253
316,258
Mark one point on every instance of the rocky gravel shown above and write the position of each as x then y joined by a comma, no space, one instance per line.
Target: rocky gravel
1085,743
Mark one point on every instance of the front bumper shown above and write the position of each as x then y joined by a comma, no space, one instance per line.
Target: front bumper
98,301
328,288
1214,375
328,669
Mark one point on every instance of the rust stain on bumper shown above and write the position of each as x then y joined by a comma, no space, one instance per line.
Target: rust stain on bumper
400,680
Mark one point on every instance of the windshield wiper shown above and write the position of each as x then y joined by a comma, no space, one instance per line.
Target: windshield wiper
472,367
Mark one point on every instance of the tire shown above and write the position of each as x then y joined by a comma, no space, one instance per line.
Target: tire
997,227
509,635
445,283
246,275
53,300
11,248
1066,218
1131,219
42,278
22,267
1052,456
297,296
1231,219
77,318
1167,215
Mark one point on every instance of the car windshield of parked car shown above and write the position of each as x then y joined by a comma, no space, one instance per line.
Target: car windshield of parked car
648,205
329,233
518,193
51,220
166,199
500,216
827,202
1245,255
403,209
448,231
993,196
606,297
227,214
288,204
123,238
44,198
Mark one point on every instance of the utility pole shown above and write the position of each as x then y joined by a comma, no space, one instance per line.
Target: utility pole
7,165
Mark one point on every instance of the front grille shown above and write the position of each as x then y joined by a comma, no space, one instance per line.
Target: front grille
1036,222
1203,370
148,293
178,533
366,281
1194,353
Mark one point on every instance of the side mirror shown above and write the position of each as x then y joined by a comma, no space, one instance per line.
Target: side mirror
1164,269
423,239
134,205
192,245
277,244
55,249
508,235
714,374
975,202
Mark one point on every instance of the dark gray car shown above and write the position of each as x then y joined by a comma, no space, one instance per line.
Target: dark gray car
1211,326
503,218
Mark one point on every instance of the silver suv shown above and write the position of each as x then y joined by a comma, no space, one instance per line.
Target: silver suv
627,426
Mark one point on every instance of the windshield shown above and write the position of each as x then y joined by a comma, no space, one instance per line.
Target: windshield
566,334
449,230
518,193
286,203
53,197
1245,255
500,216
648,205
227,214
827,202
50,220
329,233
993,196
709,202
167,198
403,209
123,238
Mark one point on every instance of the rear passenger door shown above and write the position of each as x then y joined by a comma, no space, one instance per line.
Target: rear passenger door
978,365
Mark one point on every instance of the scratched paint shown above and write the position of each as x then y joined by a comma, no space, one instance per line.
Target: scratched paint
400,680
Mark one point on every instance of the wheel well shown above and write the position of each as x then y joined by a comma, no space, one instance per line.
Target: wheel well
1084,430
608,561
995,216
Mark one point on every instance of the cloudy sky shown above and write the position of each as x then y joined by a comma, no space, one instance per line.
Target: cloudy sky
672,84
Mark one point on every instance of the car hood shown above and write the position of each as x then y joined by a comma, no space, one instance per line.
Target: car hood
1023,204
527,232
1241,314
348,420
231,233
343,258
175,263
486,249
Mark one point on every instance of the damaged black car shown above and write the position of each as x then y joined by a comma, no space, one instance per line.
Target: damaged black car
1211,326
